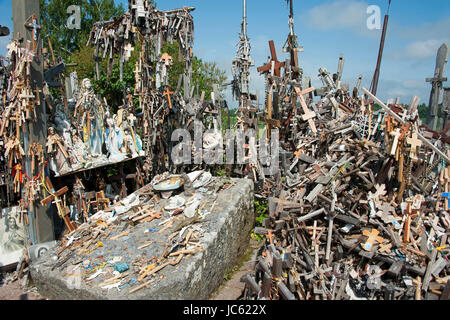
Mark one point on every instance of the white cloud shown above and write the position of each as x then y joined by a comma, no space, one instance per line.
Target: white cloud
438,30
419,49
338,15
413,84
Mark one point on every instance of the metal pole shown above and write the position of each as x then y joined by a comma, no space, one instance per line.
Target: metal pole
380,57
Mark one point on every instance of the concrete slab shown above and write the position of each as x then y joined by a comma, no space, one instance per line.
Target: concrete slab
224,239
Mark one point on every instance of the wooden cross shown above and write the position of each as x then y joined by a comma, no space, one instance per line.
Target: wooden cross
396,134
268,120
168,93
166,58
101,202
37,99
414,142
372,238
26,95
273,64
36,28
55,197
270,236
308,114
128,49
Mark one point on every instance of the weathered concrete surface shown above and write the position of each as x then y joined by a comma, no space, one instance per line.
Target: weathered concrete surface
225,239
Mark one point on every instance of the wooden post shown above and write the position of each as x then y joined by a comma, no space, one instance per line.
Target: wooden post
41,221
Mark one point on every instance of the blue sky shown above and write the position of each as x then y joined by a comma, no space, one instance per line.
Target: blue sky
325,29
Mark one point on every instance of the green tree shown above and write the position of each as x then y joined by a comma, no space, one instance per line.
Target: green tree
54,18
204,74
71,46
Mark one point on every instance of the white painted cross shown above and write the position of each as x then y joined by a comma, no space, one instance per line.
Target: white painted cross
308,114
396,134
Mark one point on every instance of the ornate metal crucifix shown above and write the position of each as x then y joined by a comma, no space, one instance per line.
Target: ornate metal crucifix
35,29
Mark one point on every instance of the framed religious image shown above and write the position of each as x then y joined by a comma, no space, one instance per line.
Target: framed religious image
12,236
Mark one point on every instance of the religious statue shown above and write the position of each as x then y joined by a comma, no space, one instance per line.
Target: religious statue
58,154
89,113
113,140
79,149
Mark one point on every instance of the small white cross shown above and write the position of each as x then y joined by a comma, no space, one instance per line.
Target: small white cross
396,134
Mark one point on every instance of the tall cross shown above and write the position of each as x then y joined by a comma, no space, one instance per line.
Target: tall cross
436,82
273,64
414,142
308,114
268,119
36,28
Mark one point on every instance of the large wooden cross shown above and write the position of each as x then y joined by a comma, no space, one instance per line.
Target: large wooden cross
308,114
273,63
268,119
55,198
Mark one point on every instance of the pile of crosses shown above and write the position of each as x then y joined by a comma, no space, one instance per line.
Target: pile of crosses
20,98
161,110
360,208
83,134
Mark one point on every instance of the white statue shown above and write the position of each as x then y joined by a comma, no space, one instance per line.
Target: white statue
113,140
89,112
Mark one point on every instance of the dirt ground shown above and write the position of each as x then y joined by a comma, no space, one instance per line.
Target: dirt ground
15,291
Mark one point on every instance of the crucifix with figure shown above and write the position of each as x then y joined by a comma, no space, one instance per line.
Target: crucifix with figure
32,23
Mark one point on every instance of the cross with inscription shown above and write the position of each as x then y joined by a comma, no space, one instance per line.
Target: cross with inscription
273,64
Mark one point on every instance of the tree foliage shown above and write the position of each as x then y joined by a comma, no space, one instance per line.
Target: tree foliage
71,46
204,74
54,18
